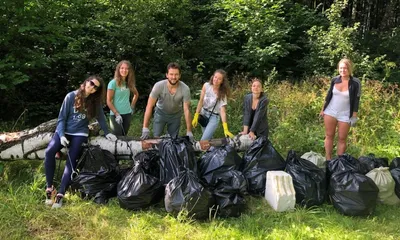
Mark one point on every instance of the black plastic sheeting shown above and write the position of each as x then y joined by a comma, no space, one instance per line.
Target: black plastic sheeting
229,191
352,193
216,161
395,163
219,170
140,187
260,158
395,172
175,155
98,175
185,192
345,163
370,162
309,181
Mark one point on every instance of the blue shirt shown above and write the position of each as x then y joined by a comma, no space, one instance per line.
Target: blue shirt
120,98
72,122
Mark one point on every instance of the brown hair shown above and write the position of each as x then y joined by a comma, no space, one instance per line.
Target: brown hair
224,89
173,65
90,103
130,79
258,80
348,63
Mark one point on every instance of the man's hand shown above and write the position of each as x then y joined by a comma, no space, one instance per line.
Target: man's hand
145,133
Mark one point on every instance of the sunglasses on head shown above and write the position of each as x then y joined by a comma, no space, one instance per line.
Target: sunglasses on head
93,85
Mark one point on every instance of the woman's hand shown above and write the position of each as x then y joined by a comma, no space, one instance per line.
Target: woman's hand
252,136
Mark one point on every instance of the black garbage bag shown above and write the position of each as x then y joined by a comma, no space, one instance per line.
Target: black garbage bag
98,175
257,160
218,160
138,189
309,181
344,163
352,193
150,162
185,192
395,163
229,191
370,162
395,172
174,154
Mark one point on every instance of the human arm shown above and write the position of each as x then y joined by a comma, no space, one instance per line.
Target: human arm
135,98
188,117
102,119
199,106
63,114
227,133
259,115
247,110
151,102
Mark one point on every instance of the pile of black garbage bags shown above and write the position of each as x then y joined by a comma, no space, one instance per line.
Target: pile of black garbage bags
215,184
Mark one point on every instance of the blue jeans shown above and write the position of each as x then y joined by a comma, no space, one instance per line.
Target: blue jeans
173,122
212,125
74,150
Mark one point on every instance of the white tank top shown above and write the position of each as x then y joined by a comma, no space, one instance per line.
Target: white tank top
340,101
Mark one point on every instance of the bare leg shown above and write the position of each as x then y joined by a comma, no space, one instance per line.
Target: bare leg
330,128
343,131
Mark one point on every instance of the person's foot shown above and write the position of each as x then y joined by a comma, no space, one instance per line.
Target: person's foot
58,202
50,195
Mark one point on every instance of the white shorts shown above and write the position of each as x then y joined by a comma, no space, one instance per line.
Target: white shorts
340,116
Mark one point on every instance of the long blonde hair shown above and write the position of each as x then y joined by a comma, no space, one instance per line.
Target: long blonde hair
130,79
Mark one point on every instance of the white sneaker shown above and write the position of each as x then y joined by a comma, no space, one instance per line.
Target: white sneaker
58,202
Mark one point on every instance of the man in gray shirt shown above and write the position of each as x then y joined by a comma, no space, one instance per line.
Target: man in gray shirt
169,96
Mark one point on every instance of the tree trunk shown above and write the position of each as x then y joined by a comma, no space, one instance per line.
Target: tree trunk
32,143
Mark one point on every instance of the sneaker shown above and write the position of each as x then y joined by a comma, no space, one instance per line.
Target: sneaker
58,202
50,195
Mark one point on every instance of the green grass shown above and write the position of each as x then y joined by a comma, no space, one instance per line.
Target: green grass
294,124
23,215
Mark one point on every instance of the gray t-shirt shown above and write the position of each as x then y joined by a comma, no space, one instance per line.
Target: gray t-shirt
169,103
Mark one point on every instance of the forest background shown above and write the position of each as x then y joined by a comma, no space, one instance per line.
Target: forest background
47,48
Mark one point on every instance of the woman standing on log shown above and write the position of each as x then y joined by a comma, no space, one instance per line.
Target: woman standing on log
255,121
118,94
212,105
341,107
72,131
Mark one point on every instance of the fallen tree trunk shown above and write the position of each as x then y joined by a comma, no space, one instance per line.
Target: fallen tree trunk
32,143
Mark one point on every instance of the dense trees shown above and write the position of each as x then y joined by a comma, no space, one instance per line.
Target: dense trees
48,47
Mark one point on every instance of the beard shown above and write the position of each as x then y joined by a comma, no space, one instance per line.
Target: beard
173,83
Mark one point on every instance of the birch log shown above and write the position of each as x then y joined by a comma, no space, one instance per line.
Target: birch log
31,143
